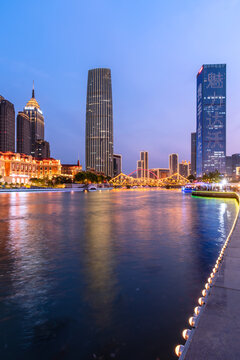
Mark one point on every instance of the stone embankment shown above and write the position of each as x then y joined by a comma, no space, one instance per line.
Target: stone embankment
215,324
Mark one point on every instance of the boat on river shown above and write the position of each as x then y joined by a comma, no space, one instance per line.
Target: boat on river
188,188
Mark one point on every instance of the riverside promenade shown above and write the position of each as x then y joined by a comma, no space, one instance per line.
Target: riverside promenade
217,332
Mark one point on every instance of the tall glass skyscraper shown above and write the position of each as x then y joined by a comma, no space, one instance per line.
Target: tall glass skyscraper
99,122
193,154
211,119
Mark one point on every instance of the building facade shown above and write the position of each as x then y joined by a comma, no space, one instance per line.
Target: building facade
7,125
161,173
117,164
144,158
23,134
140,169
211,119
42,149
20,168
99,122
184,168
35,114
71,169
173,164
193,154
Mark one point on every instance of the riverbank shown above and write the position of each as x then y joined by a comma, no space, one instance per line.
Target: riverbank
216,322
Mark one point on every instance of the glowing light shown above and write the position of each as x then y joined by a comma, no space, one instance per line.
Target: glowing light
192,320
179,350
197,310
186,333
201,301
207,286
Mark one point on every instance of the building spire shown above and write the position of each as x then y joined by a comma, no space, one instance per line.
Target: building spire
33,95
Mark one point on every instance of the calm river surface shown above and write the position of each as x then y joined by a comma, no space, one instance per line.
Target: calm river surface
106,275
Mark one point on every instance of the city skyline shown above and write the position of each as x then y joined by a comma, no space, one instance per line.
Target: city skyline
144,116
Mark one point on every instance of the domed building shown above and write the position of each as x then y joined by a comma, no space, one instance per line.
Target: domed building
32,109
30,130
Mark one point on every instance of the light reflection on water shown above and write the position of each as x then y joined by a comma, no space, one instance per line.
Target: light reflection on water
109,274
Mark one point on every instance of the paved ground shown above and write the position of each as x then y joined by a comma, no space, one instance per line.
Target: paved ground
218,333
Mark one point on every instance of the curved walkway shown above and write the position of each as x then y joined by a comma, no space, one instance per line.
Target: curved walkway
217,332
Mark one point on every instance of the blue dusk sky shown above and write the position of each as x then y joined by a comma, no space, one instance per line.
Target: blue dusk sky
154,50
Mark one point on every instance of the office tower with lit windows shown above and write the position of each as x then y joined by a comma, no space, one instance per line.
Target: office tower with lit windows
32,109
211,119
99,122
173,164
193,154
184,168
140,169
42,149
144,158
117,164
23,133
7,125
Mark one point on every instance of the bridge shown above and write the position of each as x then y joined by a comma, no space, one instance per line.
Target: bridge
151,179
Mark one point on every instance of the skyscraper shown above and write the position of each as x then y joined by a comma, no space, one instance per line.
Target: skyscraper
42,149
184,168
140,167
32,109
7,125
211,119
144,158
173,164
117,164
23,133
99,122
193,154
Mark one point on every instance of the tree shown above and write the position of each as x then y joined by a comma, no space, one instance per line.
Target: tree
191,177
214,176
80,177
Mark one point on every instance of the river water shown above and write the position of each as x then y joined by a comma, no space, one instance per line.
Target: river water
105,275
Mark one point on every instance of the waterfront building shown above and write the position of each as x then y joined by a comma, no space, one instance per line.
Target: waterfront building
32,109
42,149
99,122
235,163
117,164
7,125
193,154
229,166
211,119
71,169
161,173
184,168
20,168
144,158
140,168
23,133
173,164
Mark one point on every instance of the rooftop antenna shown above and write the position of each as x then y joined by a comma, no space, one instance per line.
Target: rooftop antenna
33,95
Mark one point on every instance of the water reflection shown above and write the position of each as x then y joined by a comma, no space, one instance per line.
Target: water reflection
110,274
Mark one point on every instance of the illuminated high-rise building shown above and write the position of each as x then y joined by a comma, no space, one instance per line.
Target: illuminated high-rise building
7,125
184,168
193,154
140,167
99,122
117,164
32,109
211,119
173,164
23,133
144,158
